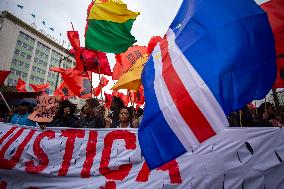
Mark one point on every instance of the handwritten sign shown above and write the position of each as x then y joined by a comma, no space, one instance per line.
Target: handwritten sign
45,109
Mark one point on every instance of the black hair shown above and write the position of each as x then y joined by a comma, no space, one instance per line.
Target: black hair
130,111
64,104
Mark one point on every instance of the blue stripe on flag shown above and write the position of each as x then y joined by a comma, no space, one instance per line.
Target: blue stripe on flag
235,72
158,140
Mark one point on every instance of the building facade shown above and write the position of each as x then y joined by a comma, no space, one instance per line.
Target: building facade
29,53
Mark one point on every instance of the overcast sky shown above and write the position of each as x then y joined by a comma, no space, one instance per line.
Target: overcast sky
154,19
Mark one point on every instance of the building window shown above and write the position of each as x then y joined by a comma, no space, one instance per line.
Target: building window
18,72
37,52
12,70
24,74
29,57
27,65
17,52
23,54
25,46
41,80
43,72
46,56
14,61
19,43
34,68
38,70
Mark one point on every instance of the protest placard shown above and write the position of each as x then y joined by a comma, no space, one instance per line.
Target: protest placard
45,109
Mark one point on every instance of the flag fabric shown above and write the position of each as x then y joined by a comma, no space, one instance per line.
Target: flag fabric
3,75
108,27
74,39
216,57
103,82
63,91
131,80
21,86
132,96
275,11
40,87
108,99
125,61
78,82
124,98
152,43
94,61
140,99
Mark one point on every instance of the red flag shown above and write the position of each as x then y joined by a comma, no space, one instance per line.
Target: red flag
63,90
152,43
3,75
97,91
103,82
115,93
140,96
132,96
108,99
124,61
40,87
73,37
274,9
79,83
124,98
21,86
94,61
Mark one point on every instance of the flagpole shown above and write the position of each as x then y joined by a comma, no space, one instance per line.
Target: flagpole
5,101
100,81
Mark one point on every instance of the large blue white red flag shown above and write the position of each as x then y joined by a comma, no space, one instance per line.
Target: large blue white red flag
217,56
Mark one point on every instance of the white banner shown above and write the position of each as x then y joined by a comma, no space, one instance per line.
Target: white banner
238,158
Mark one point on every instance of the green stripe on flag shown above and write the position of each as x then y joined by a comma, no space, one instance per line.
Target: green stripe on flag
107,36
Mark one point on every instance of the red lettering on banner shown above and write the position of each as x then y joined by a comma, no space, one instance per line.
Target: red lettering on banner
7,134
143,175
3,185
71,135
90,154
9,164
109,185
39,153
172,167
123,170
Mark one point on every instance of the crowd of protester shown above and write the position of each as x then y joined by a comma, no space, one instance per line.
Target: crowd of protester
266,115
94,115
91,115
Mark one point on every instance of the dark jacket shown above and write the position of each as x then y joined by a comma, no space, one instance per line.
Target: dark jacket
89,122
63,122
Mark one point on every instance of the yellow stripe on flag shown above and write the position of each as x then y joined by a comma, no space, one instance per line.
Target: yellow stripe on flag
111,11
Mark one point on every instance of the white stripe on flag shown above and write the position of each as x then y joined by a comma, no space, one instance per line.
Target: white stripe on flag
196,87
168,108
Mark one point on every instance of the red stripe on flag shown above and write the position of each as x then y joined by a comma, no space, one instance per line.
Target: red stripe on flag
182,99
